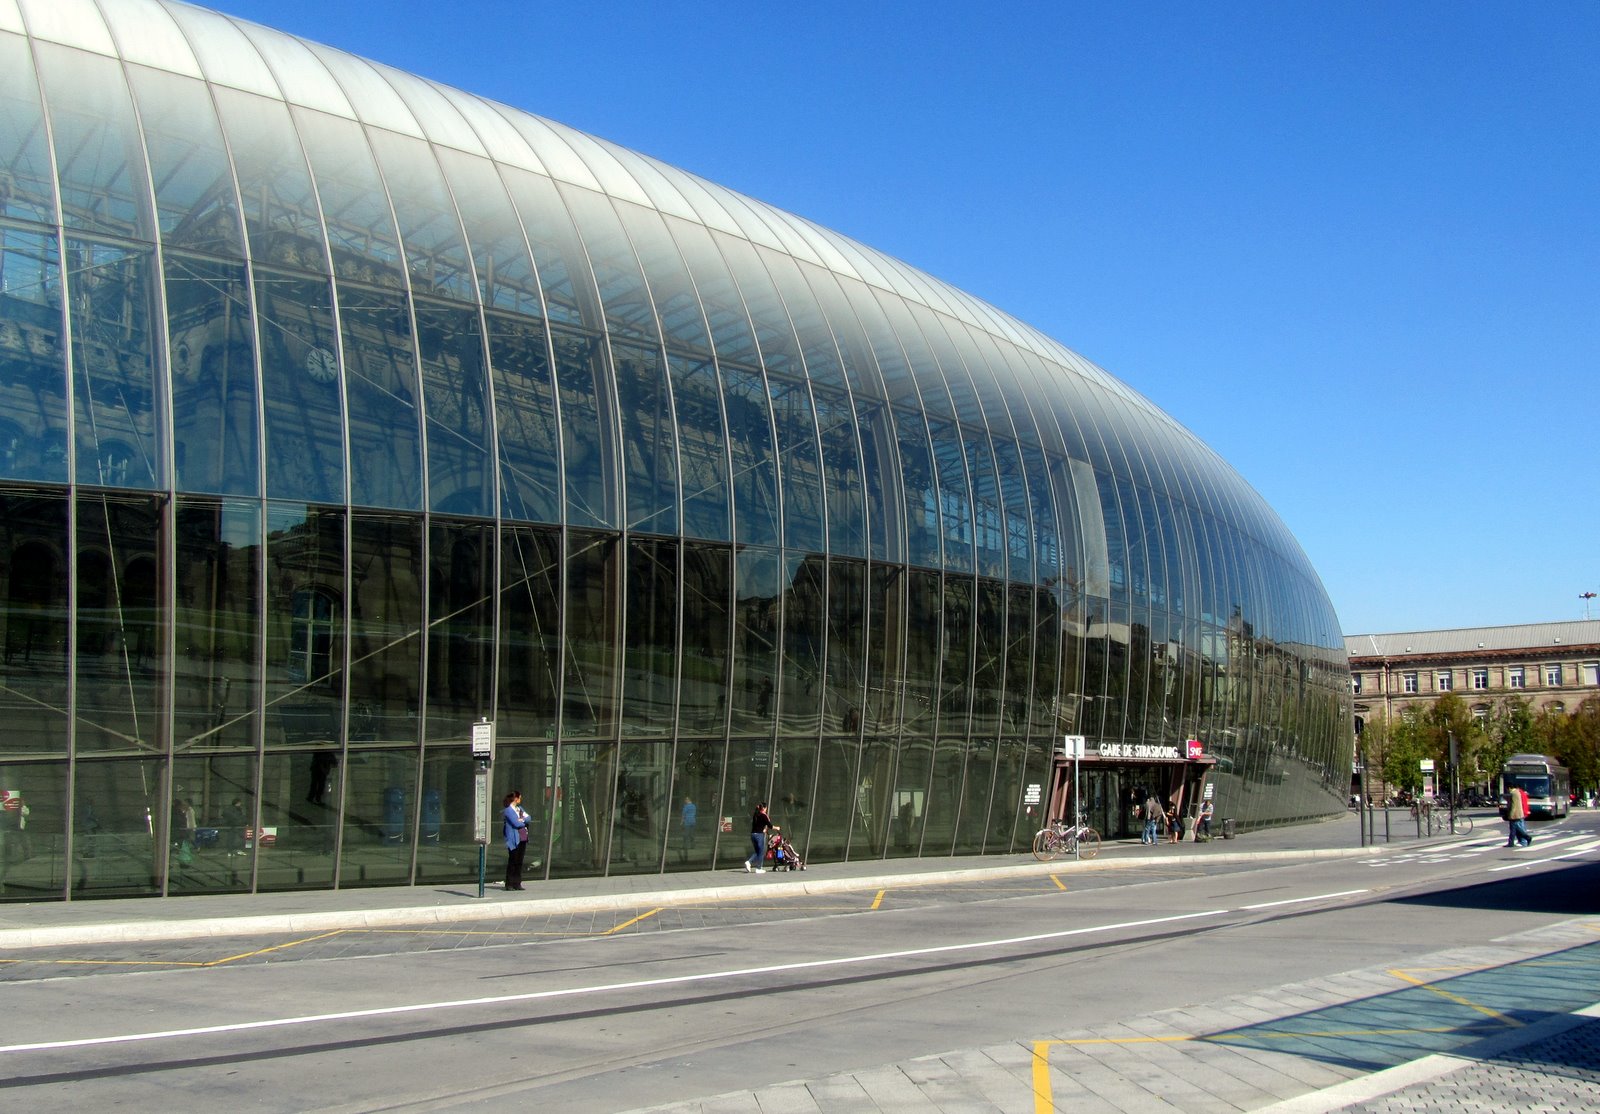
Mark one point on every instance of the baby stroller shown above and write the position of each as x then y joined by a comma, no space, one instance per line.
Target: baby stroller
781,854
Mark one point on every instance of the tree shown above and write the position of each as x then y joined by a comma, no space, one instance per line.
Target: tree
1508,730
1409,742
1374,744
1449,717
1577,744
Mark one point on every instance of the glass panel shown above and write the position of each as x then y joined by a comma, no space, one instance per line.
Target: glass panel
755,470
360,226
121,646
592,629
989,525
385,627
707,584
747,784
211,346
99,157
33,835
846,648
119,825
794,778
586,441
988,676
196,206
804,597
652,638
956,682
885,688
455,388
280,211
696,804
955,496
216,685
299,820
429,230
113,368
885,512
305,627
300,388
529,435
460,630
911,804
876,822
381,388
640,825
530,647
803,511
841,461
650,455
755,667
506,279
923,648
380,816
920,489
27,184
586,780
33,390
1009,814
33,681
215,796
702,447
833,804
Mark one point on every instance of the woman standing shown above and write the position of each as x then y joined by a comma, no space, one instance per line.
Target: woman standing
516,831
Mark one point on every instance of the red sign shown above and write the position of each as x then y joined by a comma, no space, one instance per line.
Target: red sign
1192,748
10,799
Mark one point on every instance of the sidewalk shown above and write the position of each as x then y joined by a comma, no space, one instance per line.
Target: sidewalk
49,924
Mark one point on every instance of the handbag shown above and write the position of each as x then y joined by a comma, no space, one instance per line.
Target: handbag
522,835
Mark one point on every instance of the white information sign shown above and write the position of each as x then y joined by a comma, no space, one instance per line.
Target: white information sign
1427,765
482,808
483,740
1072,746
1033,794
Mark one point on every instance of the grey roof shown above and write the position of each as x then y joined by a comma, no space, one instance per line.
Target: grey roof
1523,636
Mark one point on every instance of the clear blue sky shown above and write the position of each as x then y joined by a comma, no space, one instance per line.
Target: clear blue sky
1354,246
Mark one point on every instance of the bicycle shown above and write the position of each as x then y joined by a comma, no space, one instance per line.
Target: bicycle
1436,820
1060,839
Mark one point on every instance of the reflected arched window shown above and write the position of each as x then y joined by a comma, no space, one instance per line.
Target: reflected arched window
315,617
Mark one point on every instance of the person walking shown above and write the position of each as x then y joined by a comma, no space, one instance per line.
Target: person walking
688,818
1517,814
1152,820
516,833
1202,830
760,823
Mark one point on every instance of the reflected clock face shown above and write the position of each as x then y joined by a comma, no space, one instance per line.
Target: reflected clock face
321,365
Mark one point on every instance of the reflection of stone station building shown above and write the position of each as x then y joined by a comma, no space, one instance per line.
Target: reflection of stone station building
1552,665
343,409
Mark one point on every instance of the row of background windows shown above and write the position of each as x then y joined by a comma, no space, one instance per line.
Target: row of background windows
1555,674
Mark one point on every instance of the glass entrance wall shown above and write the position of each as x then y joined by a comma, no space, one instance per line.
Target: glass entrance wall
327,431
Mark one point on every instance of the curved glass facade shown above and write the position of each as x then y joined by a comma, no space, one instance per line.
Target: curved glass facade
342,410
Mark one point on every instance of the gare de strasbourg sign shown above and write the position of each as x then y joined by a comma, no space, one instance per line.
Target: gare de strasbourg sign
1076,746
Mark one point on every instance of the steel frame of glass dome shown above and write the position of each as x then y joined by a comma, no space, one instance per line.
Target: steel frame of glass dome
343,409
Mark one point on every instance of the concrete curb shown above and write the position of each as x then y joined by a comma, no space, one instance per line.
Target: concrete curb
474,910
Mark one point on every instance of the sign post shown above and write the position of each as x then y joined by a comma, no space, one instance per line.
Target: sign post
1074,744
482,803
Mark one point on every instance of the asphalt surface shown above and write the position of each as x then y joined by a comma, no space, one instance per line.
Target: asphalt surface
1514,1025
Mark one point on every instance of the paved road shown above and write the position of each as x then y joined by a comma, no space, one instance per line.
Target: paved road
641,992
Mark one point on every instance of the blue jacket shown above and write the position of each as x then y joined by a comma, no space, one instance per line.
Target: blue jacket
516,820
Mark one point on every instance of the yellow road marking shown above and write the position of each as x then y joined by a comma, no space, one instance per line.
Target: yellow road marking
625,924
1456,998
877,901
1056,878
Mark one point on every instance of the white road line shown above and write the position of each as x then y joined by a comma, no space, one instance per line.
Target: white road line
1572,854
1297,900
604,988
